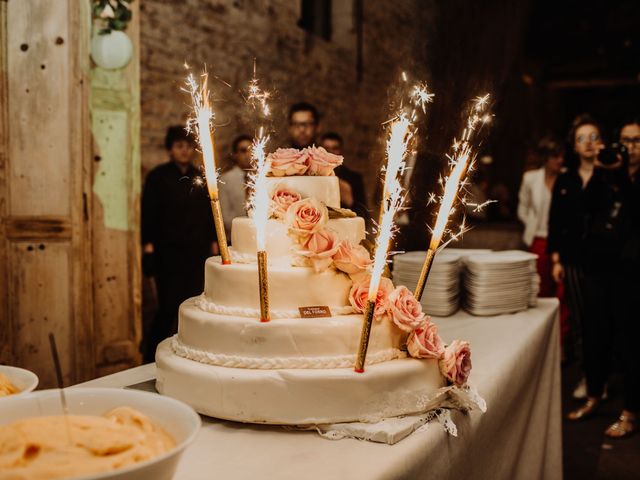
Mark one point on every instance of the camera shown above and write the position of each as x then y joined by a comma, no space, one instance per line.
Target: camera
613,153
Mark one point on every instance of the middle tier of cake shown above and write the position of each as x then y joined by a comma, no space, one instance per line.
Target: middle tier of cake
233,289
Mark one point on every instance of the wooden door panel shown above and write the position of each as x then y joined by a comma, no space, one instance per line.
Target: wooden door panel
38,60
39,303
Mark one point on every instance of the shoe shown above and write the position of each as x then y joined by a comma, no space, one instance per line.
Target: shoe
580,392
623,427
586,410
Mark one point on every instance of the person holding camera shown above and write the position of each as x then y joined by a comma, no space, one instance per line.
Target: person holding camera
626,424
603,207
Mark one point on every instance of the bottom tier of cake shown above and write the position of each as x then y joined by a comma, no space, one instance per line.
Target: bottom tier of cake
300,397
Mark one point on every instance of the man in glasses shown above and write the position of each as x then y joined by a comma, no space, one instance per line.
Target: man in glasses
303,125
233,182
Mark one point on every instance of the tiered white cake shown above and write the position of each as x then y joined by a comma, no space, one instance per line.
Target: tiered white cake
292,370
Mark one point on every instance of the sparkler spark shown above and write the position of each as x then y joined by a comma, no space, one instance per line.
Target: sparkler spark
260,195
200,124
461,160
397,144
257,95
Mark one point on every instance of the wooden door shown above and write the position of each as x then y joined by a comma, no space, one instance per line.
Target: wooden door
51,229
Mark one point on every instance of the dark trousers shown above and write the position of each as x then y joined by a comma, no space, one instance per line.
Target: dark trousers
603,314
631,330
574,290
179,275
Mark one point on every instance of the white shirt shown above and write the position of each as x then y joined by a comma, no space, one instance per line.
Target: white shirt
534,202
232,197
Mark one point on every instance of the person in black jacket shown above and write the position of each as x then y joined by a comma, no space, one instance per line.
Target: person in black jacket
567,217
177,234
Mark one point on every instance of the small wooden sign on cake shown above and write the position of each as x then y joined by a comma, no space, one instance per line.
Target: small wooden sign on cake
315,311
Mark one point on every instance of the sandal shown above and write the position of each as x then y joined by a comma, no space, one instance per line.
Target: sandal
623,427
586,410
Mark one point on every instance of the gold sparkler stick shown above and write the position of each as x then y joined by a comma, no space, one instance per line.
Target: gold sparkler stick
260,200
263,285
399,136
461,160
424,274
201,123
364,335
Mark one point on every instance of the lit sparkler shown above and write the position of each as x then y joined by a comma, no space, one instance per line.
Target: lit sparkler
200,123
260,200
397,145
460,160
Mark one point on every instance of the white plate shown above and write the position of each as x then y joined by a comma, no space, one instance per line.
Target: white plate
178,419
24,380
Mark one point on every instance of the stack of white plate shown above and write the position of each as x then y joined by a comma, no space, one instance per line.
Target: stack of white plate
441,294
499,282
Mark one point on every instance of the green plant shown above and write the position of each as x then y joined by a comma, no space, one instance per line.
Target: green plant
114,14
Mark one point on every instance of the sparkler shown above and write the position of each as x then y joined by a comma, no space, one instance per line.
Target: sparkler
412,99
460,160
397,145
201,124
260,200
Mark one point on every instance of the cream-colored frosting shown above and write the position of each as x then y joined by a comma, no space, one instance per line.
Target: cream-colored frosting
203,304
279,243
300,396
236,285
296,338
279,363
325,189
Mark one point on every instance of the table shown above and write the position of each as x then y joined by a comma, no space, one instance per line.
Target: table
516,368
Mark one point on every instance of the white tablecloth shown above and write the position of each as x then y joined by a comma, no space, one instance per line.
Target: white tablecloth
516,368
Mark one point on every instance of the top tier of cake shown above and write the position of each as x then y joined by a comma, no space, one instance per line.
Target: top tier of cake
326,189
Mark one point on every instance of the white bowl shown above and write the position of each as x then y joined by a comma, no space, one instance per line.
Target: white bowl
25,380
178,419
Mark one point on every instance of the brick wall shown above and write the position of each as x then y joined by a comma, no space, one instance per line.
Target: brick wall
227,35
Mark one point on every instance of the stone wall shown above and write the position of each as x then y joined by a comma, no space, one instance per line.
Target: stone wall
228,35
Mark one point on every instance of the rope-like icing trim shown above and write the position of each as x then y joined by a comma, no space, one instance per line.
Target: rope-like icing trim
273,363
208,306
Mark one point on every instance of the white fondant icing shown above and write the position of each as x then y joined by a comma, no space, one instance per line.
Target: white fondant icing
279,243
207,306
325,189
274,363
236,285
300,396
336,336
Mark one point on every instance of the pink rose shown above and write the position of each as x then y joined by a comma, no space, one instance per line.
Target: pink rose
352,259
322,162
281,200
455,363
359,294
322,246
424,342
288,161
406,311
305,217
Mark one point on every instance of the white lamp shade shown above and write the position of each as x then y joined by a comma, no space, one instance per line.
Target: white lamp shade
111,50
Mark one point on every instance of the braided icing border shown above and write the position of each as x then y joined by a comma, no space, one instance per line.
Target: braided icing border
208,306
275,363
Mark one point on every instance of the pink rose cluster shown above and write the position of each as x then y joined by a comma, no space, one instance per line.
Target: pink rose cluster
311,160
306,220
406,313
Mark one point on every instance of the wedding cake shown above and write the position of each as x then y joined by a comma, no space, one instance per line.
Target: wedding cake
298,368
